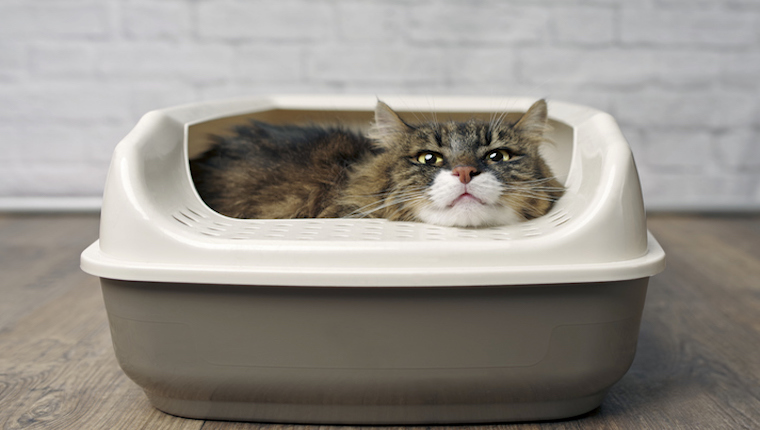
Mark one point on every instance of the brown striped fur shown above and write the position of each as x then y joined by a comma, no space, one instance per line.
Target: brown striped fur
268,171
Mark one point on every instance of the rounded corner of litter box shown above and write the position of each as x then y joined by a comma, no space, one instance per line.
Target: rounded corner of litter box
655,254
95,262
88,259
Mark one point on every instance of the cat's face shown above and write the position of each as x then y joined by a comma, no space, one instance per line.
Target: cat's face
469,174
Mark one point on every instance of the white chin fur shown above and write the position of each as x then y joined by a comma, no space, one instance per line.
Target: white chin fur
447,188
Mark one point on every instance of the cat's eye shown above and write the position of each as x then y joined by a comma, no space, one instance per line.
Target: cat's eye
430,158
497,156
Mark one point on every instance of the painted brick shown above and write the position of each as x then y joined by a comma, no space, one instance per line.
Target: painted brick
12,60
742,68
688,27
10,185
685,149
354,64
31,142
66,101
145,97
598,67
743,4
739,149
481,65
669,190
688,67
292,20
680,76
507,87
411,88
100,139
637,140
167,19
54,179
370,22
584,25
269,64
62,60
686,109
459,22
19,18
601,100
196,63
86,102
237,89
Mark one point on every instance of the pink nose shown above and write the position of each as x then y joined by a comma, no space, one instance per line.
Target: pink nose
465,173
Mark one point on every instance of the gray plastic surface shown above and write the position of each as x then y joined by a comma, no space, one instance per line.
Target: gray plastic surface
375,355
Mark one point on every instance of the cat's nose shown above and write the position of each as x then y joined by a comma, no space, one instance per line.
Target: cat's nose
465,173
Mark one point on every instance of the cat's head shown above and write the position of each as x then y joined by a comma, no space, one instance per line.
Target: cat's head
467,174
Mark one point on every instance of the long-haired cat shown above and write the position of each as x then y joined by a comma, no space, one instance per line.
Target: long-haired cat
464,174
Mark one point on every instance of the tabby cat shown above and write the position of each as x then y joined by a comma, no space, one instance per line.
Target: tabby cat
465,174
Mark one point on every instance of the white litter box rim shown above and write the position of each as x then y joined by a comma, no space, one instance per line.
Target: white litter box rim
97,263
144,236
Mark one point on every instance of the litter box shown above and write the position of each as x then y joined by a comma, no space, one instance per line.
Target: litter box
368,321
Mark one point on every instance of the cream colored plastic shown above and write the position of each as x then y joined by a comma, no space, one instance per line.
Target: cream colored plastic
362,321
154,227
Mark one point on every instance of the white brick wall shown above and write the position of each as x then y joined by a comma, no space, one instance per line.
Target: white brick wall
682,77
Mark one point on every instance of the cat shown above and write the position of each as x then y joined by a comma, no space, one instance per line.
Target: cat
459,174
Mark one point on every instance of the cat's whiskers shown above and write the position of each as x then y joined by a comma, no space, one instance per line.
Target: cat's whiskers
499,119
530,195
388,193
368,212
415,204
435,119
382,198
412,192
534,181
391,199
534,197
417,117
535,190
532,188
517,202
492,120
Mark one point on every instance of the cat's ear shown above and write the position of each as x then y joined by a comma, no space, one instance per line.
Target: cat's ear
533,122
387,124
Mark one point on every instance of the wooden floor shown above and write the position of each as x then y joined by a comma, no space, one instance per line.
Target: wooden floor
697,365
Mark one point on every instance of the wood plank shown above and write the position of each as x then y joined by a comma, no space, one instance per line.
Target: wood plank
696,365
58,368
36,252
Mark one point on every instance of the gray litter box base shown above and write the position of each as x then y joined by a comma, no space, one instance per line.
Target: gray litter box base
376,414
371,355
